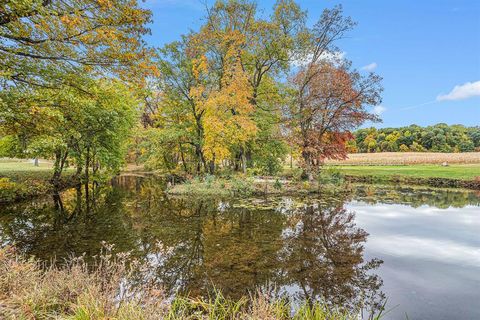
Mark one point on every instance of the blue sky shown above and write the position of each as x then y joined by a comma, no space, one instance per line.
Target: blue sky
422,49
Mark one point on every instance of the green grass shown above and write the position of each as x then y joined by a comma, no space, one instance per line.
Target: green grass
462,172
25,171
21,179
23,166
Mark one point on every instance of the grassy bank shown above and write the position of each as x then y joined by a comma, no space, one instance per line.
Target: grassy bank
21,180
458,171
111,290
452,176
239,185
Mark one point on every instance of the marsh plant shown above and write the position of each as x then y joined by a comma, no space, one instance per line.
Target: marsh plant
111,288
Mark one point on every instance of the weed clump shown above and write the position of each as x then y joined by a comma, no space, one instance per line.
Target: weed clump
111,288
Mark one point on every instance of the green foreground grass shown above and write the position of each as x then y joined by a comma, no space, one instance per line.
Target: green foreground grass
110,290
463,172
21,179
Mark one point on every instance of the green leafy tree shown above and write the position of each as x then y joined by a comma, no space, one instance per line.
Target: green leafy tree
90,130
48,42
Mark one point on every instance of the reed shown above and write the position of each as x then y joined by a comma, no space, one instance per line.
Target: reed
110,289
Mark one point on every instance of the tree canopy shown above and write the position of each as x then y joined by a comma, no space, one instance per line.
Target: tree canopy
235,93
240,93
437,138
48,42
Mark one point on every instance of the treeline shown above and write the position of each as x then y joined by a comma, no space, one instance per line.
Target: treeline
78,84
437,138
247,89
71,78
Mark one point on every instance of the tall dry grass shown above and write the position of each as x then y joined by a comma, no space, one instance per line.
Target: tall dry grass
114,290
408,158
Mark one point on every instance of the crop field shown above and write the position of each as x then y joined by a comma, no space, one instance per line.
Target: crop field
408,158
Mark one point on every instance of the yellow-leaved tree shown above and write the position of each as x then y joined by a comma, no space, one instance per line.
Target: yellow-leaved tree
224,94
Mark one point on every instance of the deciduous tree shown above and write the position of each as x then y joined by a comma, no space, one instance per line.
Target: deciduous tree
47,42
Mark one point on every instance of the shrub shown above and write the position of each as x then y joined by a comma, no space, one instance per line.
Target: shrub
330,176
278,185
241,187
10,190
209,180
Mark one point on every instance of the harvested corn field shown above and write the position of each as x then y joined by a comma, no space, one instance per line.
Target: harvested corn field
408,158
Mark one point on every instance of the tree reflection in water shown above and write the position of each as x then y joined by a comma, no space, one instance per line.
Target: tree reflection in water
323,258
311,252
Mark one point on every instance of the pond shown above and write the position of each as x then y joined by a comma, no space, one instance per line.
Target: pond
417,249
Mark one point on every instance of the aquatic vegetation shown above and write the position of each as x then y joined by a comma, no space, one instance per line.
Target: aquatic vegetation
112,290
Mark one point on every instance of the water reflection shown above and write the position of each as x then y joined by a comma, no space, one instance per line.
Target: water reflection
193,246
323,257
415,196
309,249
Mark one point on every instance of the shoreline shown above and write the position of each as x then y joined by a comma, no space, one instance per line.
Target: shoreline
278,186
428,182
14,190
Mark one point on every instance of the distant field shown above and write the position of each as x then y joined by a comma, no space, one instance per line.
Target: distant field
457,171
409,158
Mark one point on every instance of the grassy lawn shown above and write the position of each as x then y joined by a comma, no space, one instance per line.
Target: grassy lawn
23,166
458,171
20,179
19,171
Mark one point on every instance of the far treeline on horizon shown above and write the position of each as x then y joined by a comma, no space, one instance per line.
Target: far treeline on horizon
438,138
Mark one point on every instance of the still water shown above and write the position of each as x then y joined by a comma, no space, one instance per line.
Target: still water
417,248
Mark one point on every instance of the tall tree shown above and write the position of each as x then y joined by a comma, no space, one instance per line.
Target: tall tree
264,55
87,130
330,100
226,78
47,42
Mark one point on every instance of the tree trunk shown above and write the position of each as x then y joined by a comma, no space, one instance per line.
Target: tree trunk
87,165
57,169
87,178
182,156
211,165
35,162
244,161
307,170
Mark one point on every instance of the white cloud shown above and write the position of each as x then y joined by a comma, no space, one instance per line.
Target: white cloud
378,110
332,57
370,67
464,91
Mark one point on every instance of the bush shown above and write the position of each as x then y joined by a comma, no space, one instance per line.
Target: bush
278,185
241,187
209,180
331,176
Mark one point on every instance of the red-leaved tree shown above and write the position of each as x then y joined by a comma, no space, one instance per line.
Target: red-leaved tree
331,101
